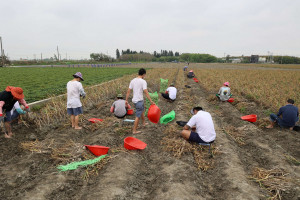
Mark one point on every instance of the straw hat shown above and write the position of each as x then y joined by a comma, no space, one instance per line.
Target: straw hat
119,96
17,92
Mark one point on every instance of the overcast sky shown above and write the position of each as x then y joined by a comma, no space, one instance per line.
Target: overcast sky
217,27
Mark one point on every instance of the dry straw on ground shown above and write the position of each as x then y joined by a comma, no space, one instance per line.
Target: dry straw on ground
236,134
274,180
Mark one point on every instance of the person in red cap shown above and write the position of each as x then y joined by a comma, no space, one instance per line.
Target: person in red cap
8,98
224,93
74,92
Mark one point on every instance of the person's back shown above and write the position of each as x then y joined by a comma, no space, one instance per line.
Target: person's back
120,108
224,93
73,94
138,85
289,114
190,74
172,92
204,126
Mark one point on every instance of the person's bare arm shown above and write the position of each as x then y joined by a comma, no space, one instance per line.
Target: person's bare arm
148,96
127,95
186,127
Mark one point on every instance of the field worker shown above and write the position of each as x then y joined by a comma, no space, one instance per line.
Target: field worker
224,93
120,107
191,74
74,92
202,126
286,117
185,68
8,98
11,116
139,86
170,93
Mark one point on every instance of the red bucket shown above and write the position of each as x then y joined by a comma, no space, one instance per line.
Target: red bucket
154,113
132,143
130,112
97,150
230,100
250,118
94,120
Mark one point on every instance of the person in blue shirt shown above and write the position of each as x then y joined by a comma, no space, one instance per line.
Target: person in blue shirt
286,117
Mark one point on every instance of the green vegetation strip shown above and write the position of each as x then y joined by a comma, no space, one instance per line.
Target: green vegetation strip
41,82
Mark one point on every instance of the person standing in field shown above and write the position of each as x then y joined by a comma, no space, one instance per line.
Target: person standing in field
139,86
120,107
74,92
170,93
224,93
286,117
201,125
8,99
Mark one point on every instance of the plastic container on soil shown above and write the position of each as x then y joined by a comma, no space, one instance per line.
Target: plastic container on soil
154,113
230,100
130,112
168,117
250,118
97,150
94,120
132,143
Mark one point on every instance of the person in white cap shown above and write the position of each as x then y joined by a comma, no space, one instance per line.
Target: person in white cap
74,92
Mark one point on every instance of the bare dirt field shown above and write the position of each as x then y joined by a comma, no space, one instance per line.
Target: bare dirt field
249,162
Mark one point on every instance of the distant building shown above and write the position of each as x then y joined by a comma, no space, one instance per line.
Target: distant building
236,60
254,59
262,59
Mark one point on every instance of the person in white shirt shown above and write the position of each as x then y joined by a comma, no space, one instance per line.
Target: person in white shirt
224,93
139,86
170,93
74,92
202,126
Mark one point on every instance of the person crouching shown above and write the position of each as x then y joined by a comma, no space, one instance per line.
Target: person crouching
170,93
120,107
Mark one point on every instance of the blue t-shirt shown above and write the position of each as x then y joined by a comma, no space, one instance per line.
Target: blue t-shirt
289,114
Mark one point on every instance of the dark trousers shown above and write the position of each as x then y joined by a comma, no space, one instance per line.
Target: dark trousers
165,95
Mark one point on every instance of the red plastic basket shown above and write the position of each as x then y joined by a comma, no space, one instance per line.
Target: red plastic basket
132,143
230,100
94,120
97,150
154,113
250,118
130,112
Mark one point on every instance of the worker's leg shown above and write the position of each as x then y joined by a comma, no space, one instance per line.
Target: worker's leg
186,134
8,129
135,125
139,113
76,122
73,121
273,119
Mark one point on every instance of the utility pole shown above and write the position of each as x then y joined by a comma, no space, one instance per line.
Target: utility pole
57,53
2,57
41,57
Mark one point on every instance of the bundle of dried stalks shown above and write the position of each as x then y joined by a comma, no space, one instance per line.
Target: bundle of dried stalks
69,151
33,146
212,98
274,180
235,134
263,122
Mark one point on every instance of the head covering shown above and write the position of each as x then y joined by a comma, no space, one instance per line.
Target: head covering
17,92
172,84
226,84
191,70
8,88
78,75
119,96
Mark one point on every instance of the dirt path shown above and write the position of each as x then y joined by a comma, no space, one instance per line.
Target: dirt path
152,173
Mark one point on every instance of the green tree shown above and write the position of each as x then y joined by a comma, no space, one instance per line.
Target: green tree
118,53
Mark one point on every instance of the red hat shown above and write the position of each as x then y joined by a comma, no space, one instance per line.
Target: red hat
8,88
17,92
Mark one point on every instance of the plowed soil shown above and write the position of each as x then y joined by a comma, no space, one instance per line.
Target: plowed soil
152,173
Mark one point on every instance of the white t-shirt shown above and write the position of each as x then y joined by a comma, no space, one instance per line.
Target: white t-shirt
172,92
73,94
204,126
138,85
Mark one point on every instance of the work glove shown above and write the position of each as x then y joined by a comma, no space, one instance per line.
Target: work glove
27,109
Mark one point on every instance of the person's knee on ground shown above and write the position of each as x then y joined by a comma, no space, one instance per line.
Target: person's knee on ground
186,134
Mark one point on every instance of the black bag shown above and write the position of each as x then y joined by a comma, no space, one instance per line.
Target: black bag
181,123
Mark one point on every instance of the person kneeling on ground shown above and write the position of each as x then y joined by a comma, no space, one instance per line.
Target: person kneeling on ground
120,107
170,93
11,116
185,68
74,92
191,74
289,113
224,93
202,126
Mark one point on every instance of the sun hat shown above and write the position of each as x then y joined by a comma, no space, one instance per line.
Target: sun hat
191,70
17,92
119,96
226,84
8,88
78,75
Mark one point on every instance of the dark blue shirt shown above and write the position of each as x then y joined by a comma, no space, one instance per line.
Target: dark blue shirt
289,114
